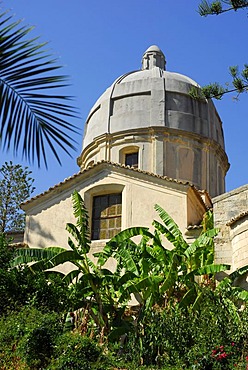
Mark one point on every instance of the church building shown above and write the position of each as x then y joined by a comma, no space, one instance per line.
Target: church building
147,141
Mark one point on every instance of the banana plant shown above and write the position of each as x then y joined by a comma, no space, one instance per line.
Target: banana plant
97,290
84,273
144,269
190,262
156,275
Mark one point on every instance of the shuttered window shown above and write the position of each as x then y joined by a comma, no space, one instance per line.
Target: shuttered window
106,216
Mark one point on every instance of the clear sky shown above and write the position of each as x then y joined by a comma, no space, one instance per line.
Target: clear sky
99,40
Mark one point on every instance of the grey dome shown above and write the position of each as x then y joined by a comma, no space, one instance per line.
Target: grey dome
150,106
145,98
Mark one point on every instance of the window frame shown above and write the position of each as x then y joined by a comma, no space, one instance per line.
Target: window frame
103,189
128,150
105,216
136,165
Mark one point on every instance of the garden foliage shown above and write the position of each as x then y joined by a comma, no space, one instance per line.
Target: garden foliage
179,317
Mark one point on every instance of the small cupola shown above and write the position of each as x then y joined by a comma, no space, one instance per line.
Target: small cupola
153,57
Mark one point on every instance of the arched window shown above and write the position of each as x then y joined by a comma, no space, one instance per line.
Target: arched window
106,216
130,156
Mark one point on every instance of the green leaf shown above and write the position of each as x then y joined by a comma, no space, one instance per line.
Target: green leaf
171,277
241,295
197,304
211,269
188,298
238,273
32,117
128,261
170,229
116,333
119,241
25,255
80,231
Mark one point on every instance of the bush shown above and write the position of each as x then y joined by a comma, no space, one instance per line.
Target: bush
28,338
75,352
20,286
213,338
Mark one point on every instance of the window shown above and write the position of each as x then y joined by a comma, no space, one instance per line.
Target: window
129,156
131,159
106,216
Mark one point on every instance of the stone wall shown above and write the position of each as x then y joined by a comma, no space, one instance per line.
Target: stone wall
231,245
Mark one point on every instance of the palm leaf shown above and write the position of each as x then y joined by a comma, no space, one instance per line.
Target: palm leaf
202,241
171,276
46,258
197,304
139,285
68,279
26,255
188,298
80,231
128,261
33,115
126,277
170,229
40,266
65,256
119,242
238,273
50,274
211,269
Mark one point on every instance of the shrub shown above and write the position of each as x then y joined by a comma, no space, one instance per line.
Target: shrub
20,286
75,352
213,338
28,337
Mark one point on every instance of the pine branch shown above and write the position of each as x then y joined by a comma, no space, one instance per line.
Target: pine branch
216,7
216,91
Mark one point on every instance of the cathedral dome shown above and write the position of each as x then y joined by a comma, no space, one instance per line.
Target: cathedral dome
153,104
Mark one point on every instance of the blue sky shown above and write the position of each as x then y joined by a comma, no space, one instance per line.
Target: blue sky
97,41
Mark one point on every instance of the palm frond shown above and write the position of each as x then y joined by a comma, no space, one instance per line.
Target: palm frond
68,279
80,231
170,229
26,255
211,269
238,273
171,276
189,297
33,116
119,241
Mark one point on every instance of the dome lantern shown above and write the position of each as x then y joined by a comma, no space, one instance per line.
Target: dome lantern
153,57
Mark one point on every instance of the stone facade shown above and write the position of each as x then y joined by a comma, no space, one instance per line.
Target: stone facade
175,146
230,215
48,213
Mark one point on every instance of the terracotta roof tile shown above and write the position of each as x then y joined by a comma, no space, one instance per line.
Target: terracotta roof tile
118,165
194,227
236,218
